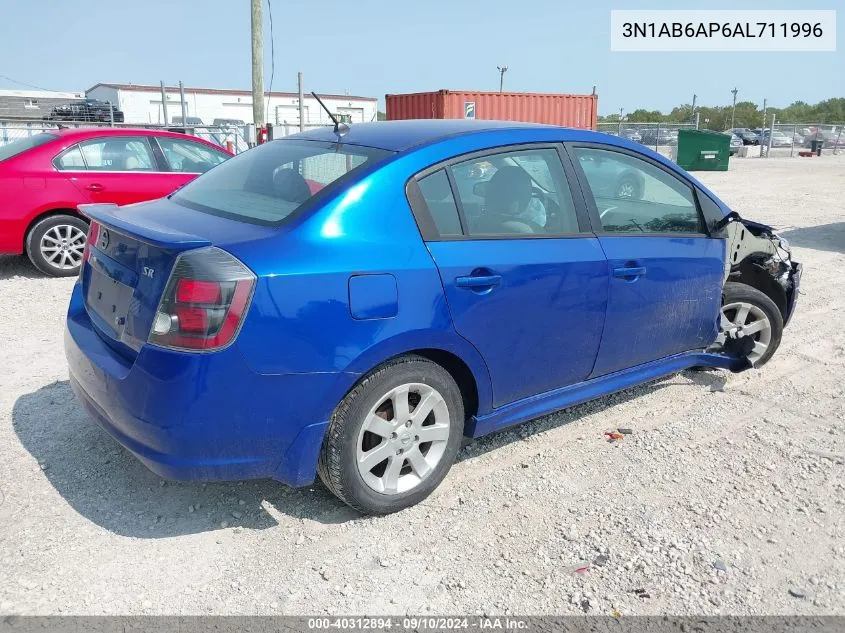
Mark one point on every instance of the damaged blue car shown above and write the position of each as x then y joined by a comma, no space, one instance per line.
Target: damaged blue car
351,302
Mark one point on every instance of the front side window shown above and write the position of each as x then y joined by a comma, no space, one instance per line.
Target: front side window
523,192
188,156
268,183
118,154
634,196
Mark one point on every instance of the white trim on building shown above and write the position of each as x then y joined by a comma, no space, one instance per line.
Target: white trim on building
142,104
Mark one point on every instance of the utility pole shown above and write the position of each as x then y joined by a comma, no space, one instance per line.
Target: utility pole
301,103
502,71
257,65
619,126
763,129
692,114
184,105
164,105
733,109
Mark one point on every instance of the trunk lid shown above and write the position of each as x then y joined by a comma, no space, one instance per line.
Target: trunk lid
130,259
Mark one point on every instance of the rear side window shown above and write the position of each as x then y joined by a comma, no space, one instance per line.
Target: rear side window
635,196
441,205
23,144
70,159
118,154
268,183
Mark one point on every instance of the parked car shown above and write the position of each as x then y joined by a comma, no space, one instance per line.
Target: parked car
632,135
748,136
43,178
244,327
736,143
778,138
653,136
188,120
86,110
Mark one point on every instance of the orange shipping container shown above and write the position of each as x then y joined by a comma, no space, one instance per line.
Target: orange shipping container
578,111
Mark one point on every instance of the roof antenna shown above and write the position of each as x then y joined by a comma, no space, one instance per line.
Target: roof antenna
339,128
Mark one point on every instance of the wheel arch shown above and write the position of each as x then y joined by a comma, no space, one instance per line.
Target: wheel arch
449,350
752,275
46,214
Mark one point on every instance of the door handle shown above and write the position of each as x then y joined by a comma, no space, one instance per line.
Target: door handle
478,281
95,186
629,272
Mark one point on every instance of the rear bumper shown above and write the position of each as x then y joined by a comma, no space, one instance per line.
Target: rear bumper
199,416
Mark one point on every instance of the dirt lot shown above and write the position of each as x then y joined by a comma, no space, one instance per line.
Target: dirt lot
729,497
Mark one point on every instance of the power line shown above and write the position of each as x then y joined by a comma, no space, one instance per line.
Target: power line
21,83
272,57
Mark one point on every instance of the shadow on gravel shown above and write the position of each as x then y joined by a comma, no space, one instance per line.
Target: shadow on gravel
106,484
18,266
825,237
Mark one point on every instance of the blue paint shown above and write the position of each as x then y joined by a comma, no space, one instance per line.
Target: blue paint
373,296
349,283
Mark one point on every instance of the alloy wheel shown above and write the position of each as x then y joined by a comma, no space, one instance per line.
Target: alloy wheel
746,319
403,438
62,246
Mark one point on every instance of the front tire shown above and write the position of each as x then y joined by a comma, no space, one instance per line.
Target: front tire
55,245
756,315
394,437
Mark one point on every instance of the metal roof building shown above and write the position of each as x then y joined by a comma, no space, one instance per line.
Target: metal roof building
32,104
143,104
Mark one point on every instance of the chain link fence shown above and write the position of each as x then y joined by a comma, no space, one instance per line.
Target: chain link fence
786,139
659,136
790,139
234,138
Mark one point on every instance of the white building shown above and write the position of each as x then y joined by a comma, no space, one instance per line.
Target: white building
142,104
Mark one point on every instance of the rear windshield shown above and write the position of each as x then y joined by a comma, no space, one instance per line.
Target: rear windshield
265,185
21,145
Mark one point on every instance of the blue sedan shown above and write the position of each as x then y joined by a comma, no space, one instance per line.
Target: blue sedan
351,302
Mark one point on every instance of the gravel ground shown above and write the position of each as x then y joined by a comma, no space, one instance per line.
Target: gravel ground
728,498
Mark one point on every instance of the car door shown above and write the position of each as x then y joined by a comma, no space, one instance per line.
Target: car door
184,160
117,169
665,271
525,280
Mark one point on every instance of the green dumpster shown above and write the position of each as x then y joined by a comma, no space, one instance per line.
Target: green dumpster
700,150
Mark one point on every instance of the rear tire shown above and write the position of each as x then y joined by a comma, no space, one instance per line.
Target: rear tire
54,244
380,455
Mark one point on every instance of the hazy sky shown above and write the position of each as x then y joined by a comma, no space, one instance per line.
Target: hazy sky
371,48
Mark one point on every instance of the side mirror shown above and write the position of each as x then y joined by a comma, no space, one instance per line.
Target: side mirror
480,188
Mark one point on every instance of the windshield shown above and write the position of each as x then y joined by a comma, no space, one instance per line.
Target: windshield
21,145
267,184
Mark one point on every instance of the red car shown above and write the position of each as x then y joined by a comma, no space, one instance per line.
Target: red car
43,178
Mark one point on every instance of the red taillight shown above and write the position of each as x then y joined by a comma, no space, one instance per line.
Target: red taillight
93,232
205,301
193,291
